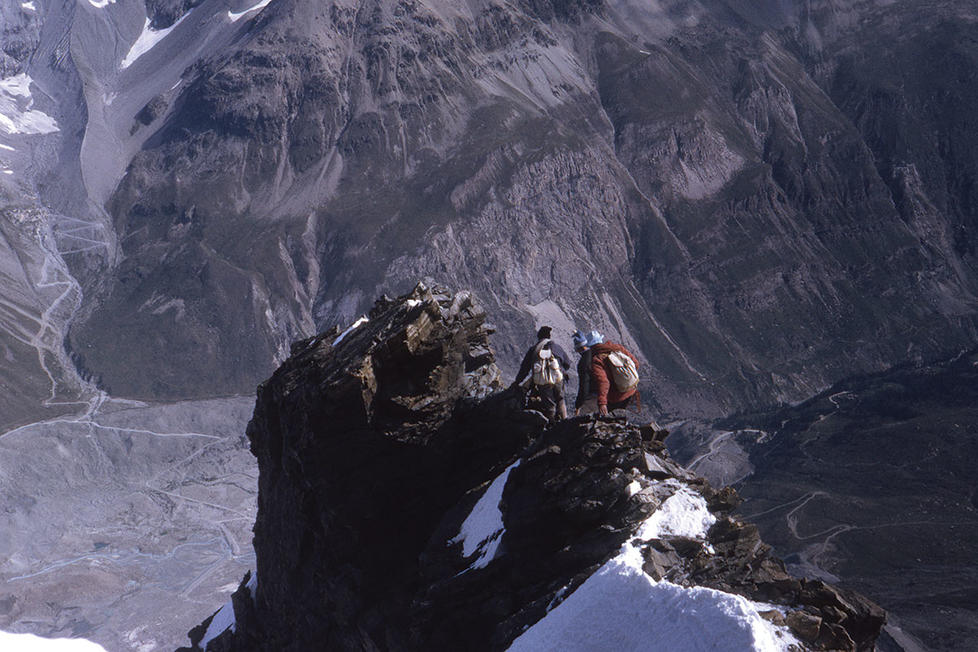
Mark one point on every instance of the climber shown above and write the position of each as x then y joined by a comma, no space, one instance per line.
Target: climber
586,390
546,364
607,373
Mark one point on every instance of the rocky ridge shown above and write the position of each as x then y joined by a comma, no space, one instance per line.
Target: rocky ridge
377,445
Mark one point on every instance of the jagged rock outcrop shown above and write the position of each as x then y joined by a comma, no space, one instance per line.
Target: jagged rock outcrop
387,453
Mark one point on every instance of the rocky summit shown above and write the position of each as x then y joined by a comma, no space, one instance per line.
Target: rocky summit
407,502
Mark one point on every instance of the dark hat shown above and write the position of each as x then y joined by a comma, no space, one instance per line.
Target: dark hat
543,333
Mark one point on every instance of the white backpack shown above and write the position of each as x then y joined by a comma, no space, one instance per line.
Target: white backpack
623,371
546,367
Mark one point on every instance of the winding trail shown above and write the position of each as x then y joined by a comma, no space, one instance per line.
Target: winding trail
715,444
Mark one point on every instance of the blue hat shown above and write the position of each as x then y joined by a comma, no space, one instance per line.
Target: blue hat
592,338
579,339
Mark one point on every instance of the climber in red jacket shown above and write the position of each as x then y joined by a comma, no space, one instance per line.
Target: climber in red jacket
605,394
609,395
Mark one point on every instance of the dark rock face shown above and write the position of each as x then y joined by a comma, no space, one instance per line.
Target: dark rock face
19,27
376,445
163,13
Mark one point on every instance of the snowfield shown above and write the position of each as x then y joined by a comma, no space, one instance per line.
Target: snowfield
31,643
622,609
16,113
147,40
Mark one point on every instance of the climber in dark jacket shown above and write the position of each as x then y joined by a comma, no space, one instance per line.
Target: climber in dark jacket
582,344
549,398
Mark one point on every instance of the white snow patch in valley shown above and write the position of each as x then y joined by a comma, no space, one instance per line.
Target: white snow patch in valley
99,4
620,608
29,6
7,147
31,643
483,529
16,86
350,329
16,114
147,39
683,514
177,305
235,15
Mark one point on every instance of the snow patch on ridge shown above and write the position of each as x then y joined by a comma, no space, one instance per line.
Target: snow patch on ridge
235,15
147,39
683,514
621,608
483,529
224,619
357,324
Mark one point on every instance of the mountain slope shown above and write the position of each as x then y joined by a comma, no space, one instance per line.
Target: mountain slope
711,184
